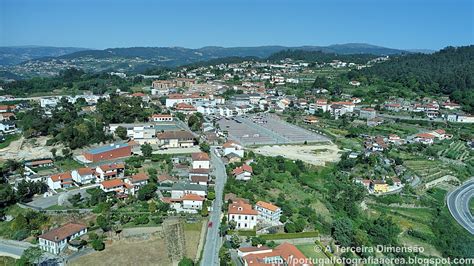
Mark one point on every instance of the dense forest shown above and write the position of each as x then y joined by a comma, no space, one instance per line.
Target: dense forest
320,57
71,79
447,72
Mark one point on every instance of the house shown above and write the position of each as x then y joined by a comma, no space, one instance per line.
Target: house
166,179
108,152
110,171
200,160
376,121
62,180
243,172
54,241
192,202
244,251
242,214
233,158
441,134
395,139
161,118
7,108
185,108
6,116
137,180
367,113
40,163
175,139
199,179
283,254
117,186
425,138
84,175
268,212
379,186
310,119
232,147
396,182
7,127
178,190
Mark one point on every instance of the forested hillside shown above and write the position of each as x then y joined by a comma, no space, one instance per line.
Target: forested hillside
449,71
320,57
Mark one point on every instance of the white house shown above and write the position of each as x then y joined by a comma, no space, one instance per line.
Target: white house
137,181
200,160
118,186
243,172
268,212
242,214
57,239
58,181
192,202
84,175
109,171
232,147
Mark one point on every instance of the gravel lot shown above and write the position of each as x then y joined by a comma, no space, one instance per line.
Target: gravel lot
312,154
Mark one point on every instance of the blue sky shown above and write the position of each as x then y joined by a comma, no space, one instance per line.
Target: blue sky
430,24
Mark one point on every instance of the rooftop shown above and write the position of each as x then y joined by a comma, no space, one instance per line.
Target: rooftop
107,148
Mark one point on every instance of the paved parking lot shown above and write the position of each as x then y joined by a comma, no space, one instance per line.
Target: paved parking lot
266,129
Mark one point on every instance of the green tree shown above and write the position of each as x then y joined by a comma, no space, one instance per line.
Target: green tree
103,223
342,231
98,244
146,150
121,132
186,262
147,191
30,256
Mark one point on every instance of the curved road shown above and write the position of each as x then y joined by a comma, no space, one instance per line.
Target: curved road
458,205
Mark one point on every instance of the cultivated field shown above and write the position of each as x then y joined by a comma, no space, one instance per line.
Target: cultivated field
312,154
457,150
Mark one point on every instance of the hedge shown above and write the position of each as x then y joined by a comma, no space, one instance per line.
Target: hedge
290,235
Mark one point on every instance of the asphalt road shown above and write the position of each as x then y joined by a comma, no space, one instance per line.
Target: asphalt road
41,202
458,204
210,255
13,248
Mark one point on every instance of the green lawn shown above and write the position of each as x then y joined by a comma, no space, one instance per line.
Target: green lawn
68,164
311,252
8,140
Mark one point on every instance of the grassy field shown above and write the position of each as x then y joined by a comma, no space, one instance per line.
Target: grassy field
144,252
428,170
310,252
147,252
8,140
68,164
7,261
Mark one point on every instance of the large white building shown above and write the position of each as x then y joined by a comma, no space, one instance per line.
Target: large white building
57,239
84,175
242,214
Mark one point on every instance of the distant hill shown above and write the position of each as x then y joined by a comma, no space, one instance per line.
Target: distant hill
139,59
180,55
12,55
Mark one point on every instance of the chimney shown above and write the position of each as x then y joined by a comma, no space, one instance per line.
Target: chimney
56,238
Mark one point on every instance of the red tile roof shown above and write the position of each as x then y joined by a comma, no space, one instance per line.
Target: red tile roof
192,197
61,176
113,183
243,168
241,207
267,206
200,156
139,177
63,232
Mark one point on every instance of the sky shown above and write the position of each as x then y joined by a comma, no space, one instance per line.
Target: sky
100,24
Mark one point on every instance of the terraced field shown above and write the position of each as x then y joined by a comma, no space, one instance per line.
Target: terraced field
457,150
428,170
